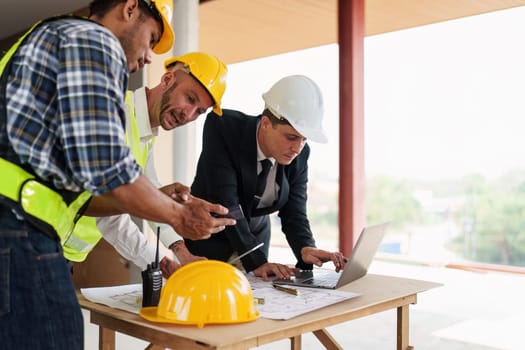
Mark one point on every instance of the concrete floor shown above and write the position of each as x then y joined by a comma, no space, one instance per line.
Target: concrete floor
473,310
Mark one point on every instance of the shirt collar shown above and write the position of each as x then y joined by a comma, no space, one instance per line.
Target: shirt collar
140,104
260,154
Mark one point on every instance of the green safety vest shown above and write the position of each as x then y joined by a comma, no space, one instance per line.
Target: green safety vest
41,205
86,234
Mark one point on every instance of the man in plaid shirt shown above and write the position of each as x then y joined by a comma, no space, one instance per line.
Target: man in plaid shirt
62,121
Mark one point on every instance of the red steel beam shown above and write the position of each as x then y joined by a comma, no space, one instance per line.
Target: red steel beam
351,31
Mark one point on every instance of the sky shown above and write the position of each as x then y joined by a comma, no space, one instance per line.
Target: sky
441,101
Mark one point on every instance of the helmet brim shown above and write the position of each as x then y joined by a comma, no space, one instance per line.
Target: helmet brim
315,135
166,40
150,313
217,110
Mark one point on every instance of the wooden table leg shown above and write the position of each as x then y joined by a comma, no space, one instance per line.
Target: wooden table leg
295,342
402,328
327,340
154,347
106,339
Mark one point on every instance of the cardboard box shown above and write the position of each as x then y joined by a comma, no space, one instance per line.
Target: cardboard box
103,267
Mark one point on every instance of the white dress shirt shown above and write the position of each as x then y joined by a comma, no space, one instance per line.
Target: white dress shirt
121,231
271,191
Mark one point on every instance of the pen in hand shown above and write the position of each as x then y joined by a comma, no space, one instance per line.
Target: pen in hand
288,290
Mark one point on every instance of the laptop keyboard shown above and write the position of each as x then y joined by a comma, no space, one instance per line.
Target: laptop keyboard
323,280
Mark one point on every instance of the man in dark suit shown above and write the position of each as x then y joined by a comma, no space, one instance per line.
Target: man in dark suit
261,164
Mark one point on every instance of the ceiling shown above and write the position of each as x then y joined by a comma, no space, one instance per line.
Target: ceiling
17,15
238,30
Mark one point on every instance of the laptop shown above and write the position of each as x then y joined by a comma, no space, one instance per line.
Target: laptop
355,268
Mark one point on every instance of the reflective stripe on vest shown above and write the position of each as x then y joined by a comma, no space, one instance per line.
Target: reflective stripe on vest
86,234
140,151
40,205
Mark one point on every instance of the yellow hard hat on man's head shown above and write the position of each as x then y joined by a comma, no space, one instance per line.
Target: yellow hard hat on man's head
163,10
208,70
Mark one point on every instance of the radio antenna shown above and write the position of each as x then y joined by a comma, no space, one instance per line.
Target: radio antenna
157,251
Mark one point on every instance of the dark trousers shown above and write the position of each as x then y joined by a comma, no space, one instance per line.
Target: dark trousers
38,304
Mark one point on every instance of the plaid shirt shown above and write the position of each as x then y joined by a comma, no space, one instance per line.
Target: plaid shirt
65,107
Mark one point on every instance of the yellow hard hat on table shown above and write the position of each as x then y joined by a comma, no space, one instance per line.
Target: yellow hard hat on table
204,292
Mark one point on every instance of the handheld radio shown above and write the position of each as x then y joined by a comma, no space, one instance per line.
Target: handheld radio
152,280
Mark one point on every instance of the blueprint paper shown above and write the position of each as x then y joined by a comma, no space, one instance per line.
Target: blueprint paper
127,297
277,304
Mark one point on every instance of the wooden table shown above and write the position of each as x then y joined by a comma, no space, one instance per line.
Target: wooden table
378,293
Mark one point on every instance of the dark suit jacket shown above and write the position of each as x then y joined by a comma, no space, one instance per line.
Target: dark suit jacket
227,174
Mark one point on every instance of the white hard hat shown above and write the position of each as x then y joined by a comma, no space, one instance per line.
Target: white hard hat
298,99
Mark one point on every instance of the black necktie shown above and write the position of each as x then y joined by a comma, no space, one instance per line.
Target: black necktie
261,181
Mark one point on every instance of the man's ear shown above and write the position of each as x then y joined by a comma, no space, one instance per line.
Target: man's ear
131,8
167,80
265,121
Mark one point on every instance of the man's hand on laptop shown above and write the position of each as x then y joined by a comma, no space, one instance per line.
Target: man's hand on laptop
311,255
274,269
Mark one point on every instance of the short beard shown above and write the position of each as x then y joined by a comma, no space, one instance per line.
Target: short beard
164,102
